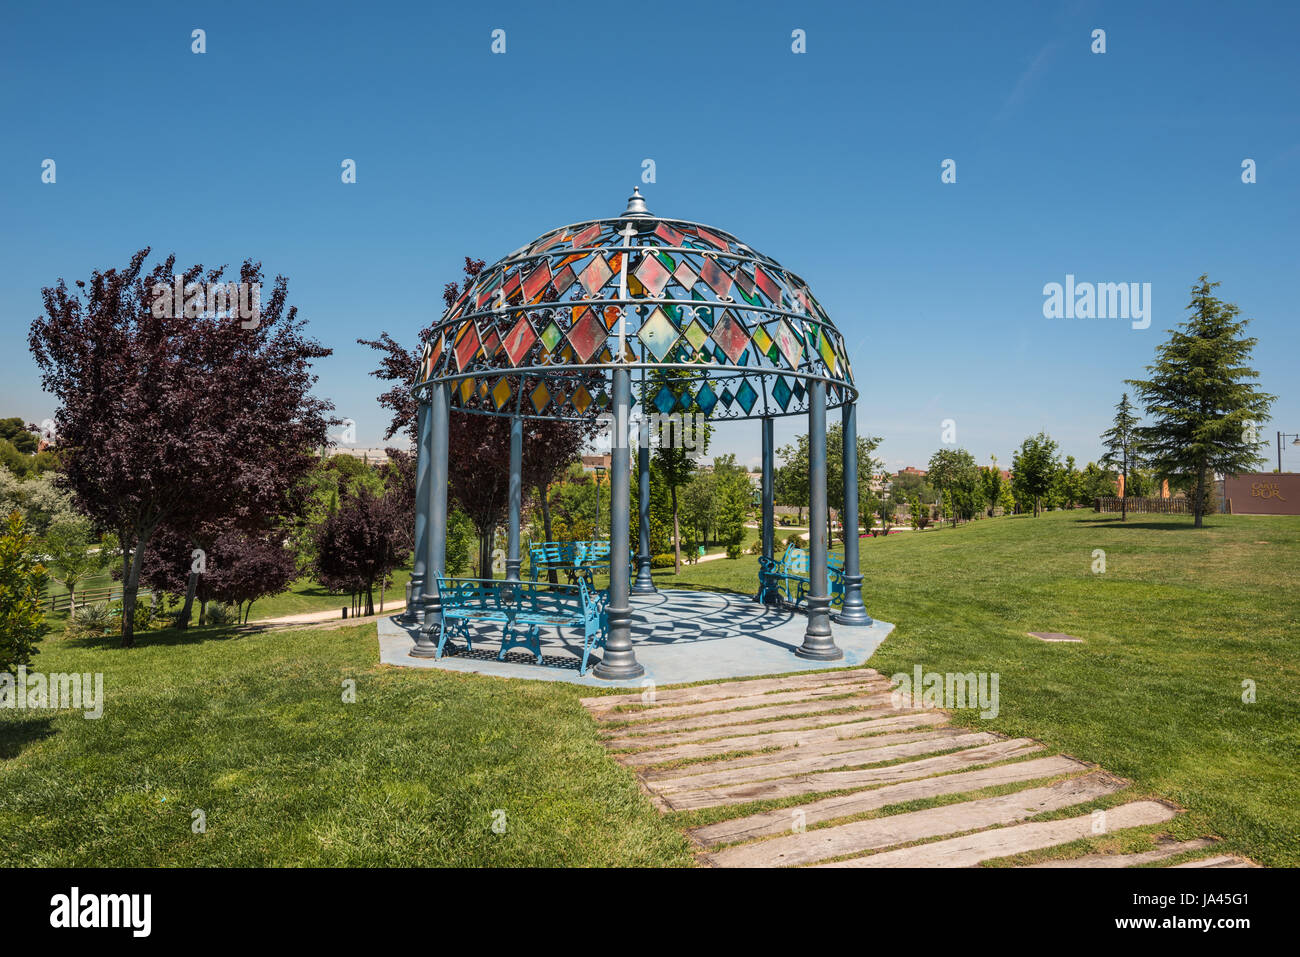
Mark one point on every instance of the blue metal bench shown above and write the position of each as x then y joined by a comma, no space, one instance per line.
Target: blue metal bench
578,560
786,580
523,609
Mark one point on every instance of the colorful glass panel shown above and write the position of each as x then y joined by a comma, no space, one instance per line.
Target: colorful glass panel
587,335
596,275
717,278
466,345
746,396
652,274
658,333
519,340
537,281
730,336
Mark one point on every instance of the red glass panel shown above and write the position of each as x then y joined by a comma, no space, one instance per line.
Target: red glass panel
596,274
767,285
585,237
563,279
587,335
652,274
536,282
708,237
730,337
519,340
466,345
717,277
669,235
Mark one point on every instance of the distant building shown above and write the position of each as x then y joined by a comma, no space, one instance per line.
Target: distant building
375,457
592,462
912,471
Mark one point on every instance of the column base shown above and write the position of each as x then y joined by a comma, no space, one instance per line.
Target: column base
426,639
819,653
617,672
854,618
818,643
619,663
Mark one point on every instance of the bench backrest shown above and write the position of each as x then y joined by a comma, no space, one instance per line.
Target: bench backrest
796,561
494,594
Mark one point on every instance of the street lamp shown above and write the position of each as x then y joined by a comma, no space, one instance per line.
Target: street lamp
1282,437
600,474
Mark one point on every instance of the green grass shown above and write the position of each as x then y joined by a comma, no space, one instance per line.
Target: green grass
253,730
305,595
1177,622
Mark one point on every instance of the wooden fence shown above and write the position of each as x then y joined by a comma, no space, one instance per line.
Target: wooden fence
92,596
1159,506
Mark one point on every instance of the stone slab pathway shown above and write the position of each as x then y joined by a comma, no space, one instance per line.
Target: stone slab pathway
846,769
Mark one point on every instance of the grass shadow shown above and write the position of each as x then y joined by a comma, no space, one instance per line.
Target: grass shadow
16,736
164,637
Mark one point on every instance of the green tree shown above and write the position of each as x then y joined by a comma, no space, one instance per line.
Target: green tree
1204,409
954,474
991,484
16,432
22,589
791,480
679,443
1121,444
1034,467
67,549
1007,499
1097,483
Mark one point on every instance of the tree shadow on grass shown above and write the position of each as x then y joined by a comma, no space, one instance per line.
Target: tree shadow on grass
1149,524
165,637
17,736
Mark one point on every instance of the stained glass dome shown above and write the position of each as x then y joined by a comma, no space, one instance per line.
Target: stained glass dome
708,324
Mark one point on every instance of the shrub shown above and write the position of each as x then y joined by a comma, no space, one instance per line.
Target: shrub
91,619
223,615
795,539
756,547
143,612
664,560
734,551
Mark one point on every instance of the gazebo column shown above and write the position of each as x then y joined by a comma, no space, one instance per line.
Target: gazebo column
767,522
424,441
854,611
644,584
817,641
618,660
516,496
426,642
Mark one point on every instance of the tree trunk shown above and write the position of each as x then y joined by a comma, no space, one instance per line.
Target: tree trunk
370,598
191,586
677,535
1123,502
1199,504
485,554
383,587
72,599
130,587
543,492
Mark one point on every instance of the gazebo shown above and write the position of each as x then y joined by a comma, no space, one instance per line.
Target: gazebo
637,319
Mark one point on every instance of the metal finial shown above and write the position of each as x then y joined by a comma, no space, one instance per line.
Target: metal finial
636,206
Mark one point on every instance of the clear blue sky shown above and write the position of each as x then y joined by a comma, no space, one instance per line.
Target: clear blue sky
1118,167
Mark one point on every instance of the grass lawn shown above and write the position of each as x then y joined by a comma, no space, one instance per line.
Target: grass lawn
306,595
1172,628
252,729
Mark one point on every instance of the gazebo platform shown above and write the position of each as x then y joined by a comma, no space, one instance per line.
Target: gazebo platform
679,635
